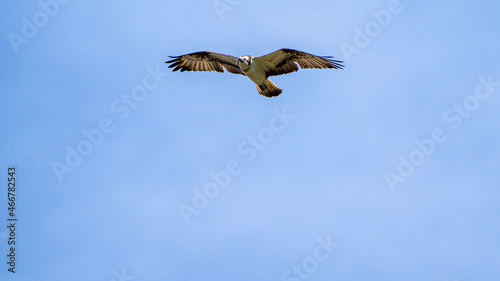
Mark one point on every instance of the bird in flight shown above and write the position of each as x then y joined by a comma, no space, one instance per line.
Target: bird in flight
258,69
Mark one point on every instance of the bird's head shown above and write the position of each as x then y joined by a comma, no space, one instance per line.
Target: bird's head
245,59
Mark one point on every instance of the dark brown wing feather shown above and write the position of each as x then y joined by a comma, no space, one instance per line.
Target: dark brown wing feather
286,61
205,61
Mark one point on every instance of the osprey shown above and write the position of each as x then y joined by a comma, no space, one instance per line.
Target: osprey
258,69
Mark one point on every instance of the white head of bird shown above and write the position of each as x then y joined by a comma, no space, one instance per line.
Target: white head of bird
244,62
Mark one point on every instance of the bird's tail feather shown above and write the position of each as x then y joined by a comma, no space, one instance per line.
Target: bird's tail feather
269,89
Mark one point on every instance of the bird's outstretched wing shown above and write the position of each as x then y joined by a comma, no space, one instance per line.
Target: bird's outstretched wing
205,61
286,61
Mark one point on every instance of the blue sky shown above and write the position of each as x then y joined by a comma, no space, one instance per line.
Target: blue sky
386,170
